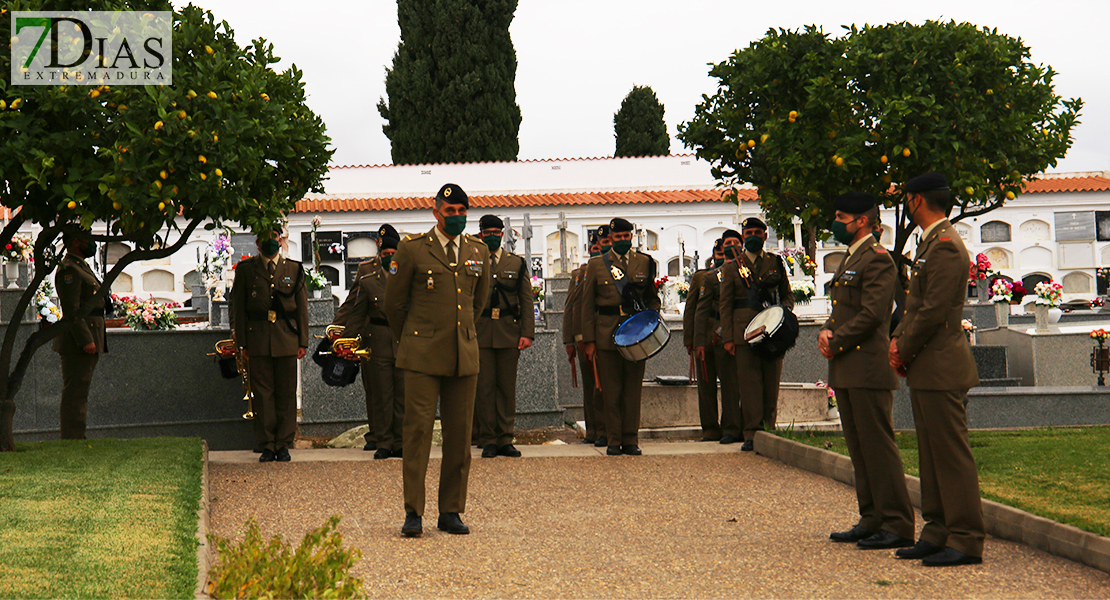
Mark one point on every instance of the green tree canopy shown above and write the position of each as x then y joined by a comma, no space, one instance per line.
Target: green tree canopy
231,141
640,129
451,91
805,117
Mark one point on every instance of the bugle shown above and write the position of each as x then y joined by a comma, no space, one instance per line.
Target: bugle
354,345
228,348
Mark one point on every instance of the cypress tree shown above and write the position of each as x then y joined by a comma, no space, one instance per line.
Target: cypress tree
451,90
639,125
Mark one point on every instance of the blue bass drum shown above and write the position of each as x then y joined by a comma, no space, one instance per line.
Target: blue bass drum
641,336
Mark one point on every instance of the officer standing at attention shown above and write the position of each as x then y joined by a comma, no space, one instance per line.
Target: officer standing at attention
618,285
752,279
439,286
853,339
362,314
269,318
705,367
709,348
506,327
572,339
80,347
930,349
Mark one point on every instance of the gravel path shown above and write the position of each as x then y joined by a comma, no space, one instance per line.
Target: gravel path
686,520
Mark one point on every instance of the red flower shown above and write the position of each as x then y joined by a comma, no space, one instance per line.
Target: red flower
8,247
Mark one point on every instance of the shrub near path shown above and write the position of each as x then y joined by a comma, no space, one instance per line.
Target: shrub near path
100,518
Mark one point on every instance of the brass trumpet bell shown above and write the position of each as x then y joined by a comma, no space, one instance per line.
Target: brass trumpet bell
227,348
353,344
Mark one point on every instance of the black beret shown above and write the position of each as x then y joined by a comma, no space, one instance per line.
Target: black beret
388,242
618,224
854,203
602,231
453,194
926,183
387,230
753,222
717,245
594,238
731,233
491,222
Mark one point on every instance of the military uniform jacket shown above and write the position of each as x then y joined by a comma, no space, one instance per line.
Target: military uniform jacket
599,294
344,313
76,284
931,339
365,314
862,294
693,297
432,305
253,295
707,320
511,297
572,315
770,273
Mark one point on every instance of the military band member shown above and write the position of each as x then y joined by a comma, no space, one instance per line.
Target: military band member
752,279
709,349
705,367
269,315
618,285
572,339
80,347
507,326
930,349
362,314
439,287
854,339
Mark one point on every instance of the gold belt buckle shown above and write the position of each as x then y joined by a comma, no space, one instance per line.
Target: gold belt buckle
271,316
495,313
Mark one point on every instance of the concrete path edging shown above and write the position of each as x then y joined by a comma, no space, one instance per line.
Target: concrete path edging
204,549
1001,521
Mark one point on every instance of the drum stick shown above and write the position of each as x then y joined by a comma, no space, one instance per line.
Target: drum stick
573,373
690,374
597,380
704,369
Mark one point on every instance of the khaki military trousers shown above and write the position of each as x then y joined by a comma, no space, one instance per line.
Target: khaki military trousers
706,375
881,492
950,502
621,384
495,402
456,411
385,401
732,421
758,382
77,373
274,383
591,400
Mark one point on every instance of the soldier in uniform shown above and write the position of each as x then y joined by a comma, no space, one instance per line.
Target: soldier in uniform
705,367
618,284
572,339
709,350
439,286
80,347
752,279
269,318
507,326
853,339
930,349
362,313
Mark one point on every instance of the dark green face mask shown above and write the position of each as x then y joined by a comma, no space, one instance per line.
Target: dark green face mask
593,254
753,244
718,262
454,225
622,247
731,251
269,247
841,234
493,242
605,248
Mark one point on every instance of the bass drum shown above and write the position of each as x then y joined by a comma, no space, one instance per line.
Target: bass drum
641,336
772,332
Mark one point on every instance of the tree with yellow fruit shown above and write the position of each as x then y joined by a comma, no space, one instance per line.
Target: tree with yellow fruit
121,165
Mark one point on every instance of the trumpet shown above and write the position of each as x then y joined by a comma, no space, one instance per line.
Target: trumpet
242,365
331,329
353,344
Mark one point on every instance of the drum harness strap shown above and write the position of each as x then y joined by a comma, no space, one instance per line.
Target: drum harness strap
636,299
755,290
498,293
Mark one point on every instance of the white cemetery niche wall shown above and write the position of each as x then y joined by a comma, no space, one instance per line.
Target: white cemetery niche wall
1000,258
1077,283
887,238
115,251
1106,256
1077,255
994,232
1036,258
122,284
711,235
361,248
963,229
1035,230
157,261
554,262
158,280
670,237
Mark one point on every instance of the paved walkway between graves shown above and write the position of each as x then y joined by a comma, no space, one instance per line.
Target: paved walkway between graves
686,520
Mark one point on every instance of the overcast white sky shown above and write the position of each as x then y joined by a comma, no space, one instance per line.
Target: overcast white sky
577,59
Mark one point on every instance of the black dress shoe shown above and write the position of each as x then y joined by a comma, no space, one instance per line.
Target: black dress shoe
370,446
919,550
587,441
710,439
451,523
613,450
508,450
267,456
283,455
631,450
950,557
398,453
413,527
855,534
884,540
747,446
728,438
382,454
490,451
601,442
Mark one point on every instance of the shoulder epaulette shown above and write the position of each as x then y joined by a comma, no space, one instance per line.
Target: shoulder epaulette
878,248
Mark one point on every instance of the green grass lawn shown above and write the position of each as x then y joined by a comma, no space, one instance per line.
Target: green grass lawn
1059,473
100,518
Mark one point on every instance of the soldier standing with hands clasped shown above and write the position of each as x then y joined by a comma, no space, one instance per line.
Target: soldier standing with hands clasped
930,349
854,339
701,308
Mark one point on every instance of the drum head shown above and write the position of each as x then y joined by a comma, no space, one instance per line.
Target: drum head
636,328
770,318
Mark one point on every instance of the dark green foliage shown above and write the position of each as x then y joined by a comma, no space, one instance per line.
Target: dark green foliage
451,91
640,129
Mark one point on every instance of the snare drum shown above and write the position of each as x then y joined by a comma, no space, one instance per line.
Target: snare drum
641,336
772,332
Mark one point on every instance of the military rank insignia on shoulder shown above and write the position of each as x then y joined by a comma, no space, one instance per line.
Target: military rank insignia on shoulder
393,267
720,276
